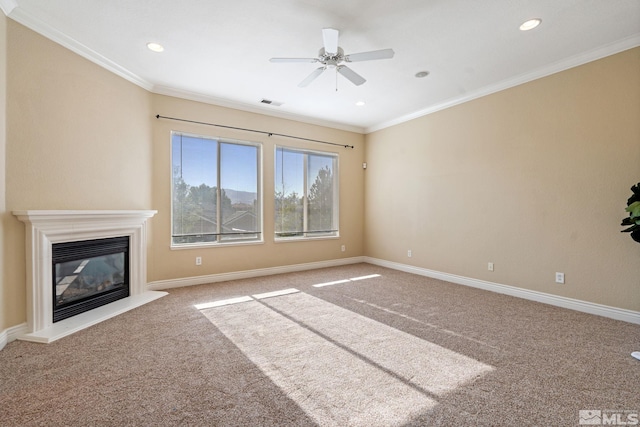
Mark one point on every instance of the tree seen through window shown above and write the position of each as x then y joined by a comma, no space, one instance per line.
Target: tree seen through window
305,194
215,190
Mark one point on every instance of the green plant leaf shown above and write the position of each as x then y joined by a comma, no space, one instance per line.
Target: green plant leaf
635,197
634,209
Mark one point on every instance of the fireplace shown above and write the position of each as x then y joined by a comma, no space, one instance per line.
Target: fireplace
83,267
89,274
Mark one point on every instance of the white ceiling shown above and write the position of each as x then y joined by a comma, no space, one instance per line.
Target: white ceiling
218,51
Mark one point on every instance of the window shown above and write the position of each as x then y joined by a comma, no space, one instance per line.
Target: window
306,194
216,190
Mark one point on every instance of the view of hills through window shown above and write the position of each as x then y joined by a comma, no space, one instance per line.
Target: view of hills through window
215,190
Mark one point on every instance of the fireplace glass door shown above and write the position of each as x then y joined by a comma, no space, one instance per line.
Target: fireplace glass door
88,274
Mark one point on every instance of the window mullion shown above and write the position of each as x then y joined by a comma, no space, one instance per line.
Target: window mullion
335,202
218,194
305,200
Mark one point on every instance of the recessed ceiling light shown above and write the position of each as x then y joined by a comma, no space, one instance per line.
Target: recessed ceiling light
360,103
155,47
530,24
422,74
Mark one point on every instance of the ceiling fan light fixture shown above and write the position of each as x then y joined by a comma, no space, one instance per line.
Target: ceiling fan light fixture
422,74
155,47
530,24
360,103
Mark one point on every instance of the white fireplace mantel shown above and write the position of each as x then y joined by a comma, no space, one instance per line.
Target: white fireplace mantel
46,227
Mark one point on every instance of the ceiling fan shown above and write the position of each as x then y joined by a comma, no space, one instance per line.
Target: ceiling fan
332,56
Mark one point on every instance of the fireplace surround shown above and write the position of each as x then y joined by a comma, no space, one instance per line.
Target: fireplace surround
44,228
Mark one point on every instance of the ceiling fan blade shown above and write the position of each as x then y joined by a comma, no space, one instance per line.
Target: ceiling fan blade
294,60
369,56
311,77
351,75
330,38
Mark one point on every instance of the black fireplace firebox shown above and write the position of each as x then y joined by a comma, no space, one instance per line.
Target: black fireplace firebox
88,274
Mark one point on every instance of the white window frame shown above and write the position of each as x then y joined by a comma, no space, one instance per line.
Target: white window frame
220,241
305,234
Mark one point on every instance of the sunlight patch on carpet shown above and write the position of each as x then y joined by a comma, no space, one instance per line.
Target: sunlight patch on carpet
335,282
340,367
433,368
370,276
246,298
223,302
276,293
353,279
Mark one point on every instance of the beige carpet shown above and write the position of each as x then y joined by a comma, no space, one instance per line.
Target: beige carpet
357,345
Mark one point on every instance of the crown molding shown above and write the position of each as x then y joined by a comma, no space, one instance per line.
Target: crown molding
44,29
562,65
7,6
13,11
265,111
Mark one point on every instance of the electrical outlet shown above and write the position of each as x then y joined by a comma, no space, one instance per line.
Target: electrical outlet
198,260
343,248
409,253
490,266
559,277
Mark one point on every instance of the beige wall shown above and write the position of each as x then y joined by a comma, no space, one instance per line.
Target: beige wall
4,323
166,264
534,179
78,137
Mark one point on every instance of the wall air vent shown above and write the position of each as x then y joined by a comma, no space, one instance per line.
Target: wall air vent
270,102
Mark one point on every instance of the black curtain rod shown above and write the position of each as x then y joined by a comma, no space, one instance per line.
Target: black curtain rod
158,116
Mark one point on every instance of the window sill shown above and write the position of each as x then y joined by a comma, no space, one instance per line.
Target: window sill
303,239
215,245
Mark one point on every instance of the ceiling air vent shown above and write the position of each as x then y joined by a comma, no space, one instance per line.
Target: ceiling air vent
270,102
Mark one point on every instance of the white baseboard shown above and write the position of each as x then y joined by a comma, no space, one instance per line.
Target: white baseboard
570,303
559,301
246,274
12,333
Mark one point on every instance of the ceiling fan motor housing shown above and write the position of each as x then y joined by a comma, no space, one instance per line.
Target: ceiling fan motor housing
331,60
